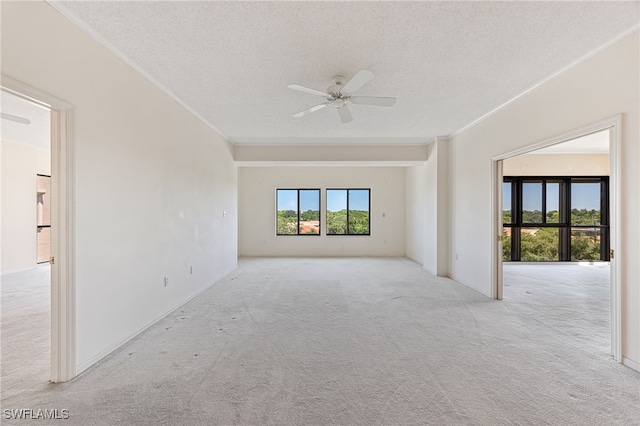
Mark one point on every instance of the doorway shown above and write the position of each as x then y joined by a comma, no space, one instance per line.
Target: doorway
556,208
61,269
26,230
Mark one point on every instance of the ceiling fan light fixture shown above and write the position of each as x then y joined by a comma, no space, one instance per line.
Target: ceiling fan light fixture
339,95
14,118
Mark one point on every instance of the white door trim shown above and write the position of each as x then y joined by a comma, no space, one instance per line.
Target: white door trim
614,124
496,229
63,300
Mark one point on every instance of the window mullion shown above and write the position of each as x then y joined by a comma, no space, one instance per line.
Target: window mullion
564,221
544,201
347,230
605,221
517,210
298,211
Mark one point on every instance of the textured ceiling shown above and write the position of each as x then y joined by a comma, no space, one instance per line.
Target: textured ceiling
36,134
448,63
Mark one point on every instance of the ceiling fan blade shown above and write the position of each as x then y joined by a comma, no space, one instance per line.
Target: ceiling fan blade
345,114
15,118
308,90
373,100
361,78
310,110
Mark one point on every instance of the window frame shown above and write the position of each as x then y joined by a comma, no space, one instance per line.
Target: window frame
347,208
564,224
298,212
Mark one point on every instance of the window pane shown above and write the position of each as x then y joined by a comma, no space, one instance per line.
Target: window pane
287,208
532,202
359,211
539,244
553,202
585,244
506,243
506,202
336,211
310,211
585,203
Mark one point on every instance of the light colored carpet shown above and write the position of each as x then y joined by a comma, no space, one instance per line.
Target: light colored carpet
346,342
572,299
25,349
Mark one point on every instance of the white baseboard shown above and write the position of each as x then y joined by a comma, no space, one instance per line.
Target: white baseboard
103,353
631,364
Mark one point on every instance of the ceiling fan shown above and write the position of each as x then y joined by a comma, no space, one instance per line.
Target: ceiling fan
340,95
15,118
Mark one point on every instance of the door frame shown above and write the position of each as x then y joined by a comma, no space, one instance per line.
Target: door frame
614,125
63,294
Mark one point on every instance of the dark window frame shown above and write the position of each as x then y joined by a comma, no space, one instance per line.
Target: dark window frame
347,207
298,212
564,224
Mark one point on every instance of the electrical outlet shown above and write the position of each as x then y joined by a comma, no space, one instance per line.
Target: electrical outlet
191,270
166,281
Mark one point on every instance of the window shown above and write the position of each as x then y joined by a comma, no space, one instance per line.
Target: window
532,202
297,212
348,211
506,202
555,218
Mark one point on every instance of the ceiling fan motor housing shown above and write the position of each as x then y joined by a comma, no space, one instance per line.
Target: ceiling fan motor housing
336,90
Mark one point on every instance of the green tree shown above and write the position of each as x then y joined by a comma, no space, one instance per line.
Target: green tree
287,222
585,217
310,215
531,216
506,245
337,222
585,244
542,244
553,216
539,245
358,222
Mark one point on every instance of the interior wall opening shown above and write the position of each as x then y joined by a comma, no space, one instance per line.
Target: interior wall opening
556,239
26,243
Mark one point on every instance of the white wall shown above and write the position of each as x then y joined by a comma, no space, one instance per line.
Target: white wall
557,165
256,211
442,199
20,165
422,212
602,86
415,214
427,223
152,181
